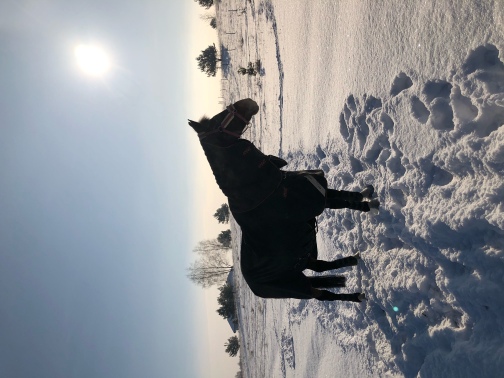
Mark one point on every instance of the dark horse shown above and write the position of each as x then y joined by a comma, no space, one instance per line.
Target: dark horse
275,209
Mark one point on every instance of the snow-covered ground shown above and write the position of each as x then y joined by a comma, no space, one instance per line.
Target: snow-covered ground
408,96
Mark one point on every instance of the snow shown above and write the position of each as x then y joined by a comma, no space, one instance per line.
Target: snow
407,96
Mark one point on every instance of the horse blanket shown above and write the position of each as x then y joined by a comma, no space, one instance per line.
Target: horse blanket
279,236
245,175
276,211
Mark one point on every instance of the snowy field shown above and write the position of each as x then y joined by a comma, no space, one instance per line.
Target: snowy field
407,96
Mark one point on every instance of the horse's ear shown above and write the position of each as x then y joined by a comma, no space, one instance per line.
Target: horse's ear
195,125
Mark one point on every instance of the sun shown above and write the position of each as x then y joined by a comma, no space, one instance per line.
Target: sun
93,60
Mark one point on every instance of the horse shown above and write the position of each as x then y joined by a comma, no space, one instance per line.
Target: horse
276,210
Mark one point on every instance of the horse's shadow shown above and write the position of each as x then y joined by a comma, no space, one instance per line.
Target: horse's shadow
225,61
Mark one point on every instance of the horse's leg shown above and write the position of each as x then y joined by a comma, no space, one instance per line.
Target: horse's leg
322,266
366,193
320,282
342,199
344,195
325,295
336,203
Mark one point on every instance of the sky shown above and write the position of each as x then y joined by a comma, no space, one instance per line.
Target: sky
99,194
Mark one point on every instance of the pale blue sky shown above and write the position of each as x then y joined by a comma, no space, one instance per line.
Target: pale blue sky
95,194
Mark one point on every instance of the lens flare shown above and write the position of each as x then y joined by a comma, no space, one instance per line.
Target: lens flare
93,60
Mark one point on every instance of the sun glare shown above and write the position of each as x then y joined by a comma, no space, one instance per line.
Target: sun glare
93,60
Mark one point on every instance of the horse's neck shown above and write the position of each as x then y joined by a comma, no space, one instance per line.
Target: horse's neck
218,140
222,162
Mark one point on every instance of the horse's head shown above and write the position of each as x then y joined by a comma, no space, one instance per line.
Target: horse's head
228,124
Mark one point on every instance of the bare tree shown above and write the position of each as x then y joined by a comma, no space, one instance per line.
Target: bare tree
210,245
211,19
212,266
207,271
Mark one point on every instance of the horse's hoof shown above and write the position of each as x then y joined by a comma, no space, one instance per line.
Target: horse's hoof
368,192
361,297
357,256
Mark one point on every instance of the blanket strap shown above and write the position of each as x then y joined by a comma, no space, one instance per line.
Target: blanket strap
316,184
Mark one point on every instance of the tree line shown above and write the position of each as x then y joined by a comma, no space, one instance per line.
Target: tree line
212,267
209,58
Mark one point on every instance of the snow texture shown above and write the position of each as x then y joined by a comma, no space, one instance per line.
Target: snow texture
407,96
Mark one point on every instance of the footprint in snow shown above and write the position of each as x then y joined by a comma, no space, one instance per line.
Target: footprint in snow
400,83
419,110
436,88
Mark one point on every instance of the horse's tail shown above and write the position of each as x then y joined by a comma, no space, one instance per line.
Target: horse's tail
320,282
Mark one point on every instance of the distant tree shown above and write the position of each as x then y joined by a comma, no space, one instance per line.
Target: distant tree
232,346
226,301
225,238
211,245
212,265
258,65
211,19
239,374
209,269
205,3
222,213
207,60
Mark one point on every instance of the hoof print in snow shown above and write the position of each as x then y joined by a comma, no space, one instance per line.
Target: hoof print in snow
344,131
383,156
419,110
387,122
491,116
480,109
484,65
394,163
464,109
356,165
320,153
437,88
362,130
400,83
398,197
482,58
372,154
347,224
440,177
371,104
350,102
442,114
